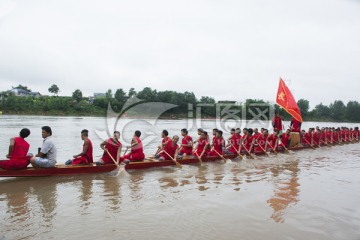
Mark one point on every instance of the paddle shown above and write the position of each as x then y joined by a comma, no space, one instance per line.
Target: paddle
250,155
262,148
325,143
219,154
286,150
241,157
176,162
273,148
309,143
117,165
201,162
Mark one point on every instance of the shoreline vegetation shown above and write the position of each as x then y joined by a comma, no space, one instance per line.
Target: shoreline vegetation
97,106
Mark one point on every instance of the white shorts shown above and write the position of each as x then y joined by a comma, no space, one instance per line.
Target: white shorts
44,162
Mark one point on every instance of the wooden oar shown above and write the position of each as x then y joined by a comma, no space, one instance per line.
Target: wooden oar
201,162
176,162
309,143
250,155
219,155
241,157
325,143
273,148
117,165
286,150
262,148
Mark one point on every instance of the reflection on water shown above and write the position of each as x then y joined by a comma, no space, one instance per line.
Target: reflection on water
286,189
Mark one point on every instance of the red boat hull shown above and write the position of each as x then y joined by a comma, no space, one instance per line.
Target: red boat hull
63,170
60,170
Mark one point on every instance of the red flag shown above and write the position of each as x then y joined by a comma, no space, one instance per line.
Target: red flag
286,100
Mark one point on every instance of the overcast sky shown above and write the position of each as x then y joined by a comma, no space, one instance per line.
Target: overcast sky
226,49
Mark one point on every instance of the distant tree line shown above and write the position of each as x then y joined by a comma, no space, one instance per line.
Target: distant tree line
77,104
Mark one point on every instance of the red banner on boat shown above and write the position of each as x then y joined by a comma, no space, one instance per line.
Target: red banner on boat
286,100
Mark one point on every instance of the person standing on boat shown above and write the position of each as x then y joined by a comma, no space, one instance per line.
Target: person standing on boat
171,148
46,158
86,156
111,146
186,143
277,122
137,152
295,125
18,152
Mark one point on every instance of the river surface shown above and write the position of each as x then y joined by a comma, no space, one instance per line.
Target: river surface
310,194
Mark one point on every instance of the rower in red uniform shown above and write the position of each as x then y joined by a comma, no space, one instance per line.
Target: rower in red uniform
234,142
285,139
247,143
273,140
165,139
277,122
218,144
199,131
232,133
113,146
186,143
214,133
256,134
260,142
18,152
171,149
295,125
86,156
307,140
322,137
316,137
356,133
336,136
137,152
203,147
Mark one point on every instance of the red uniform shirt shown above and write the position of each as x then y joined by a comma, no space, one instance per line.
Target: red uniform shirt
285,139
185,141
88,157
112,147
272,140
170,149
235,141
277,123
260,143
201,145
18,156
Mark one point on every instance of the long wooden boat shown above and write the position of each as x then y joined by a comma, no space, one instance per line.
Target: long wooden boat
63,170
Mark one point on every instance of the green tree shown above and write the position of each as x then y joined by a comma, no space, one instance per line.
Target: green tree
304,106
207,100
120,95
321,112
77,95
147,94
337,110
352,112
54,89
109,94
132,92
